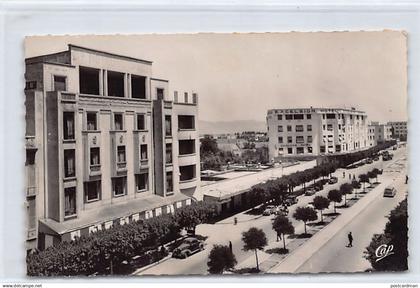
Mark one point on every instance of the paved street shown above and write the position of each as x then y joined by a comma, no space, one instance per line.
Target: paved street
334,257
224,231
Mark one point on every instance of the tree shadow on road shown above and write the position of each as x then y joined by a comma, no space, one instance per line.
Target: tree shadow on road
277,250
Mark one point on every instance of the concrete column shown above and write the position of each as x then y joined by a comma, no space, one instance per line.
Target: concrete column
101,82
126,85
129,86
105,82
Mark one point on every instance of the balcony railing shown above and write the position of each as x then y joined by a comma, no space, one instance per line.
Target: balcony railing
144,163
31,191
30,142
121,165
31,234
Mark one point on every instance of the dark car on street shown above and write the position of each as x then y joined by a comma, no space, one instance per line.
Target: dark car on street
189,246
290,200
332,180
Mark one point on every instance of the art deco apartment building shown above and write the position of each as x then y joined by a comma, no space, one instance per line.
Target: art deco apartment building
315,131
105,144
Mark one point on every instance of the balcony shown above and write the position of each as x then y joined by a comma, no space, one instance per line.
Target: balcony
189,159
95,170
144,163
121,166
186,184
31,234
31,191
30,143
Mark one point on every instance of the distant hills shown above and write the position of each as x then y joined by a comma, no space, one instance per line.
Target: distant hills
223,127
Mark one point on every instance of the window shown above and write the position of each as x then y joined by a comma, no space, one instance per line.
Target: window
59,83
309,128
88,81
69,163
194,98
339,126
186,122
280,139
289,128
322,149
69,201
169,182
330,116
338,148
141,122
308,116
279,117
323,116
168,126
300,139
281,151
176,96
121,154
68,123
309,139
351,117
186,147
143,152
160,92
92,191
298,116
30,85
119,186
289,117
299,150
168,157
323,127
299,128
118,122
289,150
31,212
115,84
91,121
187,172
186,97
289,139
330,127
142,180
138,87
280,129
310,149
95,159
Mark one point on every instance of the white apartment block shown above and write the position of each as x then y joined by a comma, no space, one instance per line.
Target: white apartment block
106,143
399,129
315,131
379,133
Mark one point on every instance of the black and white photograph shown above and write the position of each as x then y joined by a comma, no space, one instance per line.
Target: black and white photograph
216,154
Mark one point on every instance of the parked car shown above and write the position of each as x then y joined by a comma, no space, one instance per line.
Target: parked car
270,209
376,157
390,191
394,148
290,200
310,191
189,246
284,211
369,161
380,171
332,180
386,157
318,186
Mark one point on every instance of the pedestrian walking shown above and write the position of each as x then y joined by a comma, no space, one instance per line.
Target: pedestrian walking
350,236
344,174
406,179
230,246
235,220
349,176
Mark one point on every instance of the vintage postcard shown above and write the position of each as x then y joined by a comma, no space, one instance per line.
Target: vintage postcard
199,154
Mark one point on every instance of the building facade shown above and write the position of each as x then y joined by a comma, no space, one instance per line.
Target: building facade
315,131
106,143
379,133
399,130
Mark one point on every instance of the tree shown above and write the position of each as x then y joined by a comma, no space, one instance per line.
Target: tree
356,185
345,189
305,214
335,196
258,195
395,234
321,203
191,216
364,179
254,239
283,226
376,171
371,174
220,259
208,146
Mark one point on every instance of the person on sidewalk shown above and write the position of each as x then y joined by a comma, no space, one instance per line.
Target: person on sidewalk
230,247
350,240
344,174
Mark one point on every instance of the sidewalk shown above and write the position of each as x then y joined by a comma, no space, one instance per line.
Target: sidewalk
293,261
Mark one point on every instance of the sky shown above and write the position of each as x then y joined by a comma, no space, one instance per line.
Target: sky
241,76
